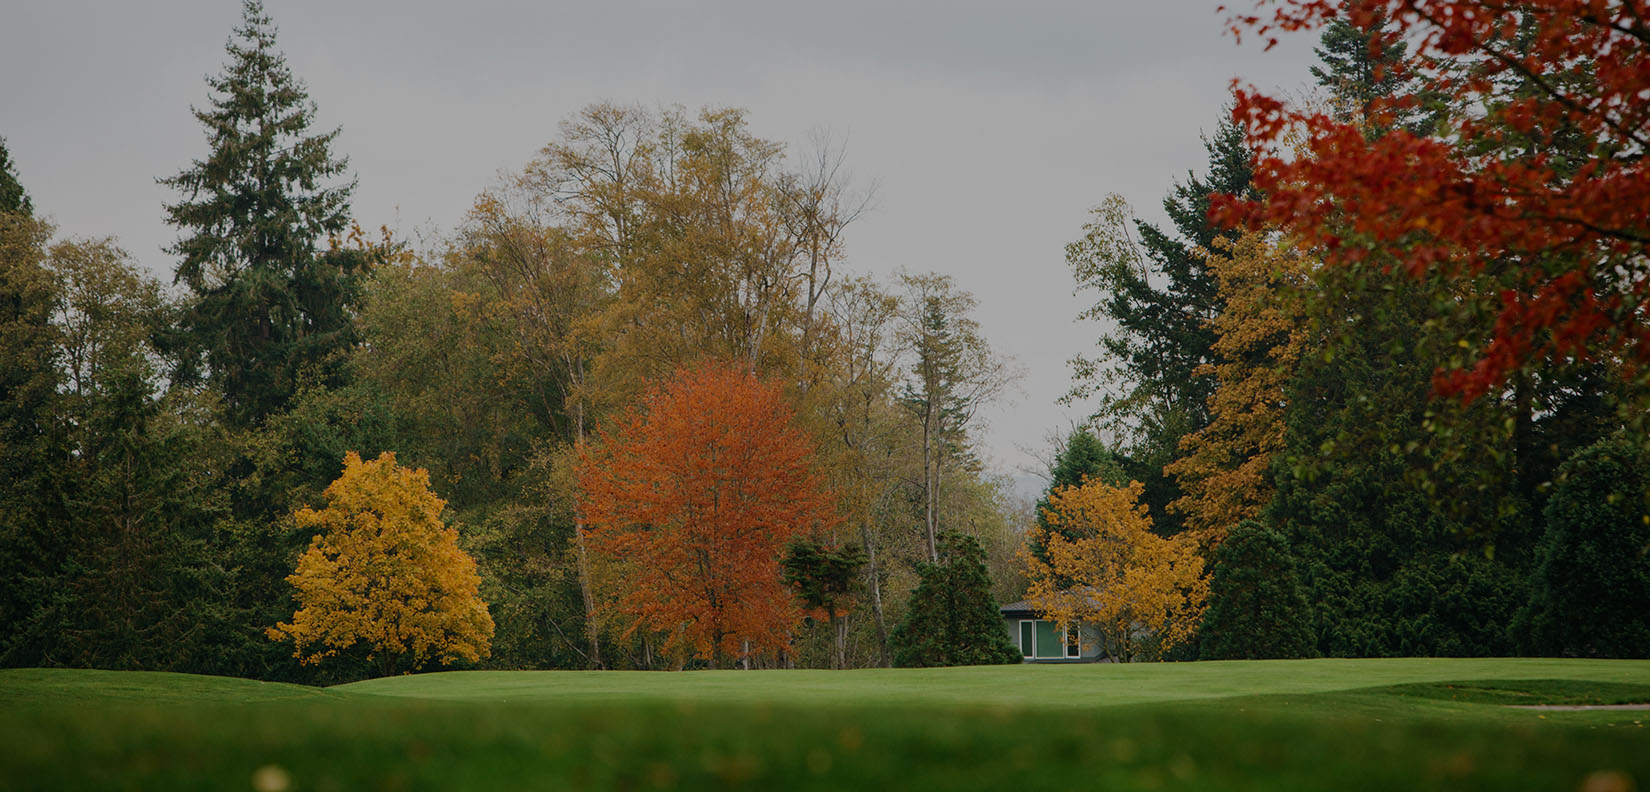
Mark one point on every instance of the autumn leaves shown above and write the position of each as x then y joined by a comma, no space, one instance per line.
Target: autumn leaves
384,572
690,499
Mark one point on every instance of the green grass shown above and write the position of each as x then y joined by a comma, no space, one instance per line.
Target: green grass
1323,724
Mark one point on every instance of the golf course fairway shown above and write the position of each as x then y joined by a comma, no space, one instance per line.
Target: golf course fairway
1309,724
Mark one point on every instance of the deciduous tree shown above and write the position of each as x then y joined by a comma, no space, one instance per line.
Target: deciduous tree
692,497
953,373
1144,592
1082,458
1260,334
385,573
1541,187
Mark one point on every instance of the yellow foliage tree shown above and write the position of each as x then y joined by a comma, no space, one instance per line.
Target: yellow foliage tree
384,571
1145,593
1260,334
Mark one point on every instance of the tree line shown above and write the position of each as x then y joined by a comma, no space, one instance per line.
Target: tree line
176,459
1379,389
1387,368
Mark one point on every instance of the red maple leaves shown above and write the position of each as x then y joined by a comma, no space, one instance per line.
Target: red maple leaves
1538,180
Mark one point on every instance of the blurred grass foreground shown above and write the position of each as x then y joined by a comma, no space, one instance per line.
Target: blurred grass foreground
1309,724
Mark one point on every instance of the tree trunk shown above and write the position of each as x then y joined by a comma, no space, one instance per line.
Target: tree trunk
928,468
876,594
592,634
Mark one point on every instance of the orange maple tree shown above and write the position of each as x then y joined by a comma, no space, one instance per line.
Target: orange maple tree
1540,181
385,572
692,497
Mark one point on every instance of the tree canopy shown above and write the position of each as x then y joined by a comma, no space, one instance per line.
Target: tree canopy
385,573
255,214
691,499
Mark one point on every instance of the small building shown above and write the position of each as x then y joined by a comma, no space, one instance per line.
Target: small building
1042,641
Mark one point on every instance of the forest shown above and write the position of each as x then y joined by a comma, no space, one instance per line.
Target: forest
1379,388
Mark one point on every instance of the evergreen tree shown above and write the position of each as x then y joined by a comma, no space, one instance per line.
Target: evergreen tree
267,303
30,548
1257,608
1592,583
117,573
952,619
1363,66
1160,295
13,198
823,577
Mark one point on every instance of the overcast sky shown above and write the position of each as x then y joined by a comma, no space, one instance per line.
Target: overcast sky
989,129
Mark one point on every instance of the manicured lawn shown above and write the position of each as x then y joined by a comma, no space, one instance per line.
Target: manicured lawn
1326,724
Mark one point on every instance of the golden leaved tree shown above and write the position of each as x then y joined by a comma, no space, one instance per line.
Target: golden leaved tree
1146,594
384,572
1261,334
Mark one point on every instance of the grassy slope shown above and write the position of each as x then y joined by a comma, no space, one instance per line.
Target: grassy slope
1040,686
1285,725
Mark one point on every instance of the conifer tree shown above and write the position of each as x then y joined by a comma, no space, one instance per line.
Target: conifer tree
13,198
952,620
1159,294
266,301
28,384
1257,606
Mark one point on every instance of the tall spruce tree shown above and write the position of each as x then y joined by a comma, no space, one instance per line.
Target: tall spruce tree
268,304
1159,295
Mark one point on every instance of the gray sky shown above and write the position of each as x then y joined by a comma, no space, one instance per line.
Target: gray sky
988,128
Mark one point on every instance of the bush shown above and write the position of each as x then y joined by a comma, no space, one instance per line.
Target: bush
1256,606
1592,582
952,620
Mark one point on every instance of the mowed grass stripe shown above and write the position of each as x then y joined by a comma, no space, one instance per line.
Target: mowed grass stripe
1032,686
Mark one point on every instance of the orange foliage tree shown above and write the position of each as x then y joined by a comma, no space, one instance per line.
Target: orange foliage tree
1259,336
1145,593
384,571
1541,183
691,498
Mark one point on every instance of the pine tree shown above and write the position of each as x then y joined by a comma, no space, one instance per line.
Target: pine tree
267,302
